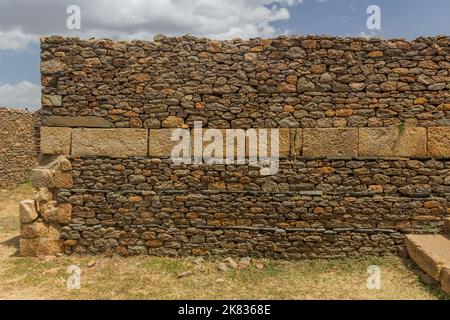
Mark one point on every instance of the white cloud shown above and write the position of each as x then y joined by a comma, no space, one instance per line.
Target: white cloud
21,95
131,19
15,39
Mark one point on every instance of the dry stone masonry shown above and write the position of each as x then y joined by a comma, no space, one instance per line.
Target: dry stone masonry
364,128
18,146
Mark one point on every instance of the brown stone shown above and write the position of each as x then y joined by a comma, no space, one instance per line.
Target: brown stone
309,44
327,170
52,66
51,100
375,54
318,68
173,122
286,87
386,142
55,140
288,108
218,185
330,142
439,141
420,100
376,188
65,165
63,179
134,199
49,211
40,247
119,143
64,213
27,211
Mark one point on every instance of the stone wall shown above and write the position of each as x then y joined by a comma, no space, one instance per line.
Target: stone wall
19,143
364,130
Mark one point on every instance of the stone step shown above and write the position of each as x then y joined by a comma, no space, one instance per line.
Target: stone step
432,254
447,226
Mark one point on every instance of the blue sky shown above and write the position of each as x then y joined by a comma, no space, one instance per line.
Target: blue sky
23,21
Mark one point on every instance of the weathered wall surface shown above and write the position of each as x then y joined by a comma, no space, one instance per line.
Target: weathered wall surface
18,146
364,141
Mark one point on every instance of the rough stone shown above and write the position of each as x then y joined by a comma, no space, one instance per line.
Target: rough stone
42,178
439,141
27,211
392,142
330,142
160,142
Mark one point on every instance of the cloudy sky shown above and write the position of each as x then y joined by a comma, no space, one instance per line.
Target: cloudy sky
23,21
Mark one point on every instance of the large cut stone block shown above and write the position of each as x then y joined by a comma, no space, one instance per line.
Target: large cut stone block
27,211
392,142
160,142
330,142
430,252
55,140
118,143
439,141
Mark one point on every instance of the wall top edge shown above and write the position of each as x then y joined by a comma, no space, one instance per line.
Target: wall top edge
56,39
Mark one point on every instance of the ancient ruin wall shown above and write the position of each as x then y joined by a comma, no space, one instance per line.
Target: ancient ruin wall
364,144
18,146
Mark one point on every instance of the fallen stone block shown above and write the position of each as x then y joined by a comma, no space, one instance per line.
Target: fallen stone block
27,211
63,180
430,252
64,214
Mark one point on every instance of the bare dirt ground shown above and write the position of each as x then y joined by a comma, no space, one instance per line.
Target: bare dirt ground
114,277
